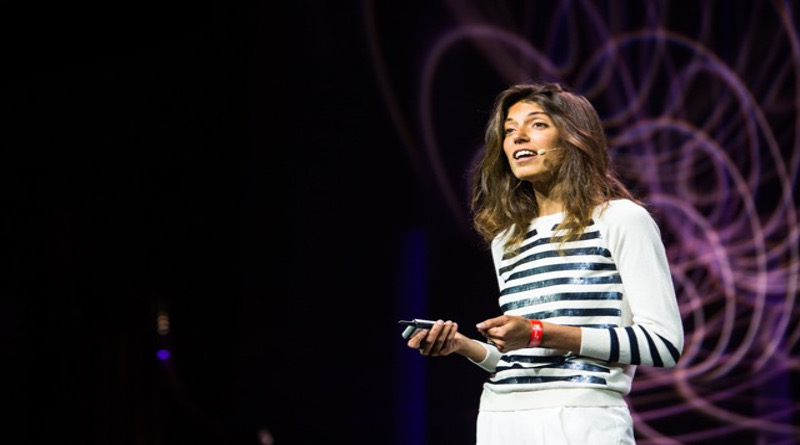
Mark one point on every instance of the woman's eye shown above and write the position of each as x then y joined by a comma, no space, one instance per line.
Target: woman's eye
508,130
539,125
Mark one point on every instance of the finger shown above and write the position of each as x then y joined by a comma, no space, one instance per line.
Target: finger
490,323
497,343
434,339
430,338
448,342
453,331
416,340
496,332
437,346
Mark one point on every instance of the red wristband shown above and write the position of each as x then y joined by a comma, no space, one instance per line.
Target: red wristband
536,333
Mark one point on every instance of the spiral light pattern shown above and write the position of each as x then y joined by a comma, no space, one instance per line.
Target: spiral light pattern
703,124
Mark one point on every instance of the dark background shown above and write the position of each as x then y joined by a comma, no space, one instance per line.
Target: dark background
129,188
237,167
230,165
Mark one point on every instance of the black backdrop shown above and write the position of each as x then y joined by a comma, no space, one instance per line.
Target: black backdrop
126,144
230,165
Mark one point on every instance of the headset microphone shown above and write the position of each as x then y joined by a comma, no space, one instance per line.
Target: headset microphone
542,151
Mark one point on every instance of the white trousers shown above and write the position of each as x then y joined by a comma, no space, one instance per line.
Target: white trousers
601,425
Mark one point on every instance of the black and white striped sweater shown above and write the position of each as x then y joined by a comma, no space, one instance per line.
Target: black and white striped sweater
614,283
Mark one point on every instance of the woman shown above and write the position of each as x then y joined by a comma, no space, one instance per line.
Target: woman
585,286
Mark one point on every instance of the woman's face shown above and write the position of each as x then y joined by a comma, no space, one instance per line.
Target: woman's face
529,129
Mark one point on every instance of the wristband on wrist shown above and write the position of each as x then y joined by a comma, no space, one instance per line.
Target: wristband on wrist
536,334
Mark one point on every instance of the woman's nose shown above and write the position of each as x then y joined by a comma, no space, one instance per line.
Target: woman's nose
521,136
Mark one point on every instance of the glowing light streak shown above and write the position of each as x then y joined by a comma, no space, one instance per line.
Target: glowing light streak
710,138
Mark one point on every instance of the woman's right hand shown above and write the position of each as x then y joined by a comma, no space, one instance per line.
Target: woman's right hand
442,339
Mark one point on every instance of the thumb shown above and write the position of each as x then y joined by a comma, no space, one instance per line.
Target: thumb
490,323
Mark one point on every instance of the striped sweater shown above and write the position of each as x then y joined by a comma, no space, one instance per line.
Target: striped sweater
613,282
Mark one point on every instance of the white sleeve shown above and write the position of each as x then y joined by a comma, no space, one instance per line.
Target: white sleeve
489,362
655,337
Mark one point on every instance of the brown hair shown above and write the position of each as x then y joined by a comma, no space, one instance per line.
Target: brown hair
500,201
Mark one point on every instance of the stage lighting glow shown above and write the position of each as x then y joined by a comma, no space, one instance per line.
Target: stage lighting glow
705,129
162,354
162,323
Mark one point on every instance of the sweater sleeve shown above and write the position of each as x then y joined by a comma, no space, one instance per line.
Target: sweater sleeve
655,337
489,363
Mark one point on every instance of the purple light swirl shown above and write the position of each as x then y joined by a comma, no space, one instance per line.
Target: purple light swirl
707,131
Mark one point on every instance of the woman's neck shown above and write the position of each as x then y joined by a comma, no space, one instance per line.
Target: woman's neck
548,205
547,197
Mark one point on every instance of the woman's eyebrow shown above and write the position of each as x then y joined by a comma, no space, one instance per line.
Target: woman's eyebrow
532,113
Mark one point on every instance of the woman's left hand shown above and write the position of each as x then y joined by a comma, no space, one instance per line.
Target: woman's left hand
506,332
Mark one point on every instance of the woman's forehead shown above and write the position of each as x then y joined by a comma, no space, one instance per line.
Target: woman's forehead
524,109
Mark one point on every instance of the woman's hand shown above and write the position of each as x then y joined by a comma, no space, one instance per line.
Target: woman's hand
510,332
442,339
506,332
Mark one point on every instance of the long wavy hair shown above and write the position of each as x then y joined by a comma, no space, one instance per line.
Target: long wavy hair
584,175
